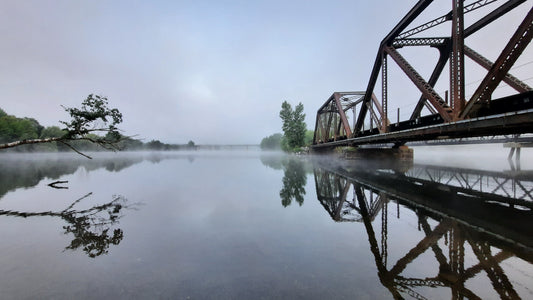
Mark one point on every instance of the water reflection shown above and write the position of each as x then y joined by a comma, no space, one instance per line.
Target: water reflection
471,223
94,229
27,170
294,181
294,176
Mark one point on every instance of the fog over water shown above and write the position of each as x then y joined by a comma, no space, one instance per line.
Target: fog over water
250,224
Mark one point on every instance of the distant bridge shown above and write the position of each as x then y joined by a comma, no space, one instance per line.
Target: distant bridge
228,147
435,117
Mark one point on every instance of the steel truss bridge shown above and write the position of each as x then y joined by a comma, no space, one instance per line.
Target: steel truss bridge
486,215
435,117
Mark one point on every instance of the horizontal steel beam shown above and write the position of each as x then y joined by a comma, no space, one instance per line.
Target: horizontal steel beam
433,41
508,123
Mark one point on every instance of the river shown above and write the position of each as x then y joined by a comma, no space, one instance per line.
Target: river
253,225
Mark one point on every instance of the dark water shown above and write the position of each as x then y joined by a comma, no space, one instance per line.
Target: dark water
250,225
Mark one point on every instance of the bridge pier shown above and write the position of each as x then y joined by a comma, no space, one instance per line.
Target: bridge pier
402,153
516,147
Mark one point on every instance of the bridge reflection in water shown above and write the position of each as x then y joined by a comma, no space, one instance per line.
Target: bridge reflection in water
471,223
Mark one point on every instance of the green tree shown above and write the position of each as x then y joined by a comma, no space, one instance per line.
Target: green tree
128,143
309,135
13,129
293,126
155,145
271,142
93,117
52,132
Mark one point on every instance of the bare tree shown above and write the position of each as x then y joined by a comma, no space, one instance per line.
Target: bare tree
94,116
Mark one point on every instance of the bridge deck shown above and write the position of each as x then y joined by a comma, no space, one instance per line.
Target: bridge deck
433,128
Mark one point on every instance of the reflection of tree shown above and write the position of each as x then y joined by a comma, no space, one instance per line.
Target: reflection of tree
273,160
27,171
294,181
92,228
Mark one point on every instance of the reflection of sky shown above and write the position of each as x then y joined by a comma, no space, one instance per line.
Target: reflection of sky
213,227
490,157
212,71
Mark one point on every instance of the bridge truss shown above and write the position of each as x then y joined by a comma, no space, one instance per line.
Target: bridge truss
456,117
461,213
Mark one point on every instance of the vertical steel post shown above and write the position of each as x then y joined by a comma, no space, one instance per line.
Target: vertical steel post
398,123
457,60
384,115
371,119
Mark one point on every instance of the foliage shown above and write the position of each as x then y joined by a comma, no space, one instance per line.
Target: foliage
293,126
52,132
272,142
13,128
309,135
92,127
294,181
128,143
94,116
155,145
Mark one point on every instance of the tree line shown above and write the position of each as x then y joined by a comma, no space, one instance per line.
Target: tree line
79,134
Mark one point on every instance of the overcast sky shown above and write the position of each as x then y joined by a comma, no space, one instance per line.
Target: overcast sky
214,72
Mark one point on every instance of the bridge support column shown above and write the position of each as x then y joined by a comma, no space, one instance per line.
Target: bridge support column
402,153
516,147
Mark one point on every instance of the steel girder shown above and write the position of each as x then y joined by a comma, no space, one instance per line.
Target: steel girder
452,51
450,217
503,64
332,120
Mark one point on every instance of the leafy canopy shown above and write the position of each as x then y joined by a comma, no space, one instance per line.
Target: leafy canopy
294,127
94,115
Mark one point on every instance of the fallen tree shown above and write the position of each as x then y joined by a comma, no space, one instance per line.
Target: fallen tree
94,116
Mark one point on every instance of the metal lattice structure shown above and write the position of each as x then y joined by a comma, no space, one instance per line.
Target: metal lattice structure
454,217
456,117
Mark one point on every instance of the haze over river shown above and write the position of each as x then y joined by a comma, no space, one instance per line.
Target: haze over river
253,225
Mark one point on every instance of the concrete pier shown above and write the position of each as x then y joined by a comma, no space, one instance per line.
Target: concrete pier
402,153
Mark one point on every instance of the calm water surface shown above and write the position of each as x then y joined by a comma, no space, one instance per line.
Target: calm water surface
251,225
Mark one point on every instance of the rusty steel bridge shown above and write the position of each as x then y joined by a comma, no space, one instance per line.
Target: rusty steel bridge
485,216
452,116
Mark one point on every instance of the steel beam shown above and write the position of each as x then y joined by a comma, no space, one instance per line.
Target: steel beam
344,120
384,96
419,7
512,81
494,15
503,64
509,123
427,90
457,59
442,19
441,63
434,42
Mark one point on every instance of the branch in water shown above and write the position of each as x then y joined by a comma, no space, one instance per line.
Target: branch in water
55,183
